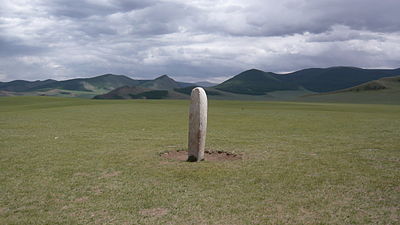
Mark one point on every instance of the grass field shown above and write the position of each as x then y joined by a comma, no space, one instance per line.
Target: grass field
77,161
389,97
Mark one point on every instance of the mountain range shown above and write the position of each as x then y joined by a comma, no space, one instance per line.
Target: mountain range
313,79
86,87
250,84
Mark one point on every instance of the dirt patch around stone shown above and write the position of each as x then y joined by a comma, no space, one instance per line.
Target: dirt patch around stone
209,155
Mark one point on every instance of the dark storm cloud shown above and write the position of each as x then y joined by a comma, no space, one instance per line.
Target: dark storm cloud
272,18
370,15
15,47
193,40
81,9
152,18
343,33
162,18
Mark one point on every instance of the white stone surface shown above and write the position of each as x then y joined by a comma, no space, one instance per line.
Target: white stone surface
197,124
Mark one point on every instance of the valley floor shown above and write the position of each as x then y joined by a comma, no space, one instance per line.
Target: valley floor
79,161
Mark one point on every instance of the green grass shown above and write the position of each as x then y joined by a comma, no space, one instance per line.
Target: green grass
367,97
77,161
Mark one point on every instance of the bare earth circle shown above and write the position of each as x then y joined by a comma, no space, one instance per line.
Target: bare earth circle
208,155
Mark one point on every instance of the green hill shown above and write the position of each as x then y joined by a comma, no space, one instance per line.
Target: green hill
188,90
382,91
162,87
163,82
336,78
125,92
136,92
387,83
255,82
251,84
23,85
103,82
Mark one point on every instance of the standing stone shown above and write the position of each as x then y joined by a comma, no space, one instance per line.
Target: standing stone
197,125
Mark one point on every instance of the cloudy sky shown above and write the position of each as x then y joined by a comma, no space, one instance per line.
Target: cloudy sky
193,40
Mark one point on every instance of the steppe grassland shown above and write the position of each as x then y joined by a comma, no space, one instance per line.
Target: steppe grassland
75,161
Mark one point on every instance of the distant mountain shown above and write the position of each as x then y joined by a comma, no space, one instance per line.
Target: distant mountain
387,83
22,85
383,91
335,78
162,87
86,87
250,84
135,92
188,90
185,84
104,82
205,84
125,92
163,82
256,82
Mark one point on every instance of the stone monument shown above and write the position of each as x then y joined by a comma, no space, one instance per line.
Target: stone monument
197,125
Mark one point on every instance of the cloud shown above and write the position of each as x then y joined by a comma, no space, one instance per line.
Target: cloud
193,40
85,8
161,18
286,17
15,47
339,33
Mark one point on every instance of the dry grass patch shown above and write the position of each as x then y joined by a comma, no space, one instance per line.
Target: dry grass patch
154,212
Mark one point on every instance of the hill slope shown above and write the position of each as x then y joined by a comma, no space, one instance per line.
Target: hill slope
382,91
103,82
162,87
23,85
335,78
255,82
249,84
163,82
87,87
135,92
386,83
